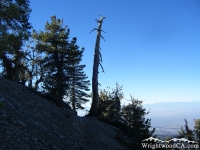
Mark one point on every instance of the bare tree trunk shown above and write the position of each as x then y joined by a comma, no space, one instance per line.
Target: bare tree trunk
97,58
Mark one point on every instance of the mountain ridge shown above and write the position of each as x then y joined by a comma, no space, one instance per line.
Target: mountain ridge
28,121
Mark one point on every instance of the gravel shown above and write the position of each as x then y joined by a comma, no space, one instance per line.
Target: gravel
29,122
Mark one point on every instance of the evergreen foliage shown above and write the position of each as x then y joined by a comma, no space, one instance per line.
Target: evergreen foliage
133,115
77,77
61,72
14,15
197,130
35,70
192,135
129,118
186,132
104,103
109,103
16,55
54,42
14,31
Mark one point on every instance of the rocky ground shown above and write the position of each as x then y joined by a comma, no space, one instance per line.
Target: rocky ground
29,122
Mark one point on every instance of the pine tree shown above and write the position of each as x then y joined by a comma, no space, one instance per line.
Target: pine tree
13,57
54,42
186,132
35,70
116,97
133,115
129,118
197,130
104,103
78,82
14,30
110,104
14,15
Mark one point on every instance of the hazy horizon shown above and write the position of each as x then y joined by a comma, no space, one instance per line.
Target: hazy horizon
168,117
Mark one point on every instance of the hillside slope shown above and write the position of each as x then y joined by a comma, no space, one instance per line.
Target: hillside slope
29,122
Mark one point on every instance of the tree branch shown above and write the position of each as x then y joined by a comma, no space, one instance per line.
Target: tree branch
93,30
100,59
102,38
101,67
97,30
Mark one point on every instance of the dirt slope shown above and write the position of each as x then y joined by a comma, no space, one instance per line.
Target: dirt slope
29,122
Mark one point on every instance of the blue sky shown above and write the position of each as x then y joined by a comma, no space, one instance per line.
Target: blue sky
152,48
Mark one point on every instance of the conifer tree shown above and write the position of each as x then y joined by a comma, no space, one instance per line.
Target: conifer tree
186,132
197,130
14,30
129,118
116,96
110,104
13,57
133,115
14,15
104,103
54,42
77,77
34,60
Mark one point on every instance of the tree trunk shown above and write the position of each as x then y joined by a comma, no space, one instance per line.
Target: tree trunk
37,82
95,98
30,83
73,98
7,64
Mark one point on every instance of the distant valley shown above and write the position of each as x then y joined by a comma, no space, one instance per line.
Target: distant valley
168,117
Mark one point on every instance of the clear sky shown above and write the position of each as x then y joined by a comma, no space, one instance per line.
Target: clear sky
152,47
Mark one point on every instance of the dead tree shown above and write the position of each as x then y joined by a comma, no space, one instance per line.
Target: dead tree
97,61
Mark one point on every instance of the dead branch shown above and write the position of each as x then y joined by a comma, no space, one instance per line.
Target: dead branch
102,38
102,31
101,67
97,30
100,59
93,30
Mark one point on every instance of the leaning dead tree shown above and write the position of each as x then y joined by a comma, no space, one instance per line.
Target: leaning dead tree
97,62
